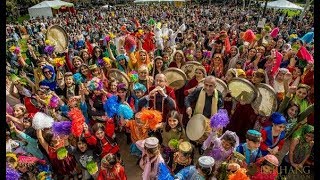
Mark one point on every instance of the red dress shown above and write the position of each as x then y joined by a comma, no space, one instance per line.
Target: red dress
148,44
104,144
116,173
242,120
66,166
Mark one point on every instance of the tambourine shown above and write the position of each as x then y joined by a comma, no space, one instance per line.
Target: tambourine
189,68
222,87
176,78
120,76
266,101
59,37
198,128
242,90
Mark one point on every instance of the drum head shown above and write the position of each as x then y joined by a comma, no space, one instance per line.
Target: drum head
242,90
176,78
120,76
196,127
58,36
189,68
222,87
266,102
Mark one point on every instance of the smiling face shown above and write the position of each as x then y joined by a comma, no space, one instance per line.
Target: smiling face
301,93
293,111
84,70
233,51
278,128
47,73
113,87
138,93
17,112
122,94
77,63
143,74
178,57
69,81
296,73
266,169
143,57
173,122
100,134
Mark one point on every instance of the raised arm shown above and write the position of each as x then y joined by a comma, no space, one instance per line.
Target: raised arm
43,143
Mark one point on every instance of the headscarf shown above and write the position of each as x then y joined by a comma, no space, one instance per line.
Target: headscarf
53,74
233,60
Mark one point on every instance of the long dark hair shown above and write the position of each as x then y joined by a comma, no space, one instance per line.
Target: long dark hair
175,115
291,104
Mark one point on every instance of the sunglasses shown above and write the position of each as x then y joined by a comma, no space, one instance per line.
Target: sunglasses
46,72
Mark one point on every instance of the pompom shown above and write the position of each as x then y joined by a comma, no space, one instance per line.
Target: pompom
92,167
30,160
48,42
206,54
151,117
12,48
61,128
111,106
164,173
42,121
107,38
12,174
130,43
62,153
106,60
101,63
134,77
220,119
249,36
59,62
125,111
17,50
151,22
49,49
267,28
307,38
182,28
54,102
78,79
274,33
77,120
239,175
111,35
95,84
173,143
139,87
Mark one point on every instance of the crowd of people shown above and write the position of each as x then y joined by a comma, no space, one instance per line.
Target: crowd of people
65,111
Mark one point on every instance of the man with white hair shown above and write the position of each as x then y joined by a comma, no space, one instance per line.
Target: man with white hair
161,97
